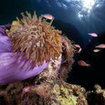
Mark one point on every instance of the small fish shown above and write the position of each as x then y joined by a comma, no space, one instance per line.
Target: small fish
83,63
93,34
15,22
96,50
78,48
48,16
100,46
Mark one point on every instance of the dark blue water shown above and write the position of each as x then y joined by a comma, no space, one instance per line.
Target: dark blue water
73,13
78,17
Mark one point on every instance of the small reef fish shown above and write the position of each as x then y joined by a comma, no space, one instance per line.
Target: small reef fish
78,48
48,16
96,50
100,46
15,22
83,63
93,34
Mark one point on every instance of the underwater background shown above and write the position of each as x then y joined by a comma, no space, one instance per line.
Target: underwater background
76,18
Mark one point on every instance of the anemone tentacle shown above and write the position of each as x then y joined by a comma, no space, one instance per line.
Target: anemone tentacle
35,39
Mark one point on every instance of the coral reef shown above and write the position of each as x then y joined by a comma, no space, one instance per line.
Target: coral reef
96,96
49,87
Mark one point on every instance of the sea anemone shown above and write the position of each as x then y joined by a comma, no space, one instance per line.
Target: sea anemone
27,48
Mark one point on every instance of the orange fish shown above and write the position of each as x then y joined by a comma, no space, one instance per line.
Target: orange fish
83,63
96,50
101,46
48,16
78,48
93,34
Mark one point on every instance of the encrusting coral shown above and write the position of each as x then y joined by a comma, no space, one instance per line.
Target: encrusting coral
96,96
49,87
